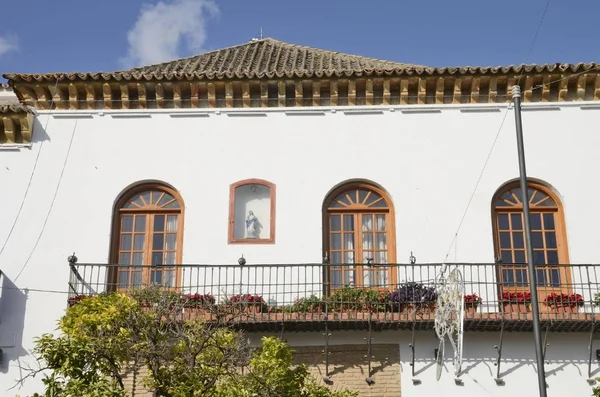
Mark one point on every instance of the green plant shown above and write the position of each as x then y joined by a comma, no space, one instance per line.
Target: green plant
356,299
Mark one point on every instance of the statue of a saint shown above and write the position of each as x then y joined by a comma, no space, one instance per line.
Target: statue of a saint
251,225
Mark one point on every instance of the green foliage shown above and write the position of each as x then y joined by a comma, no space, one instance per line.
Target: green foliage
596,390
352,298
271,374
102,338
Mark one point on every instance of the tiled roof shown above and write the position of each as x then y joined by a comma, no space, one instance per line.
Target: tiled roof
273,59
13,107
269,56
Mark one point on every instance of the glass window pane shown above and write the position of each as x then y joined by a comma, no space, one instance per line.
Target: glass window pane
156,195
367,243
367,223
368,257
380,223
505,240
380,204
156,277
520,257
552,257
140,223
159,223
506,256
139,240
127,223
336,242
158,241
172,223
547,203
171,243
550,240
349,241
541,276
536,221
555,277
381,241
335,223
536,240
549,221
518,240
336,277
349,223
172,204
170,258
349,257
362,195
138,201
508,277
381,258
138,259
368,278
123,279
349,275
146,197
165,199
539,258
516,221
125,259
157,258
336,258
521,276
372,198
503,222
136,279
126,241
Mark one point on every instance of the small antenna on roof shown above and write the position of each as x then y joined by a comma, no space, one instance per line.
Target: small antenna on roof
260,36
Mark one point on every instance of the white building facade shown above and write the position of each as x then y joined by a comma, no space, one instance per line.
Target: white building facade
294,157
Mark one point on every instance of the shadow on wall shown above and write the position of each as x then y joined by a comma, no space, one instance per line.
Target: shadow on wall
39,132
13,303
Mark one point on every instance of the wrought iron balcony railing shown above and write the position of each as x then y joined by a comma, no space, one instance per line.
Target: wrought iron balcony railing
351,296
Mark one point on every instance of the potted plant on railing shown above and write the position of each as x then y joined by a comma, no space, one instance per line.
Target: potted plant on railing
563,303
307,306
198,304
516,302
248,303
353,302
414,299
472,301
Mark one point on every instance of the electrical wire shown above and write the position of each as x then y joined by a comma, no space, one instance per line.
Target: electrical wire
24,199
487,159
62,172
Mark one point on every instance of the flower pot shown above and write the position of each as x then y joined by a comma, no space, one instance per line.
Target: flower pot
516,307
562,308
470,310
419,311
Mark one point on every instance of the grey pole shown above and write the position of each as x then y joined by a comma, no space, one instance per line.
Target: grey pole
537,335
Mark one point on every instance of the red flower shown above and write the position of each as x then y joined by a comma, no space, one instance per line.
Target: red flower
564,299
473,299
521,297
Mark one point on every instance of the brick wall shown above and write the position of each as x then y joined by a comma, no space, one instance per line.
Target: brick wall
348,367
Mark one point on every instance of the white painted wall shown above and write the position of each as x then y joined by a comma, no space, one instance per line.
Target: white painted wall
566,362
428,163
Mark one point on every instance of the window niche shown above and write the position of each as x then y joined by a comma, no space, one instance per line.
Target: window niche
252,212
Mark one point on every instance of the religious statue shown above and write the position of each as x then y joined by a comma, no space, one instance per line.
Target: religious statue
251,225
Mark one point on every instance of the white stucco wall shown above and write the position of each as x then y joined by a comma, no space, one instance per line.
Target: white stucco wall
427,162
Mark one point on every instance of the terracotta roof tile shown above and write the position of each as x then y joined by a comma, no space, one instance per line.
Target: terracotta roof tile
269,56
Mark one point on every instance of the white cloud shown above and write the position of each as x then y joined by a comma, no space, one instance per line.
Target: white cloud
8,43
163,29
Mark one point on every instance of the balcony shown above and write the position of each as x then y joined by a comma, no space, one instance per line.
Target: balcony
378,297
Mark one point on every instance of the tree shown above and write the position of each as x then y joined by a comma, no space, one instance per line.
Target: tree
103,337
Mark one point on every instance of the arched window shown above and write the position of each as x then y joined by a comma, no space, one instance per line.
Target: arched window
548,237
148,237
359,234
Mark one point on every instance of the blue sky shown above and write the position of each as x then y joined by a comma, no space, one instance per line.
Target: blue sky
90,35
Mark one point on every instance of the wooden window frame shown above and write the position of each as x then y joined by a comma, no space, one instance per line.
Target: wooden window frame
561,238
390,232
119,209
272,195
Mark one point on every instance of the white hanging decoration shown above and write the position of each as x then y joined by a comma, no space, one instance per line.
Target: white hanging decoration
449,317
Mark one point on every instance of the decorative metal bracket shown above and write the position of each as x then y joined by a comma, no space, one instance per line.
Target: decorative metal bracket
415,381
591,381
499,381
326,335
369,355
